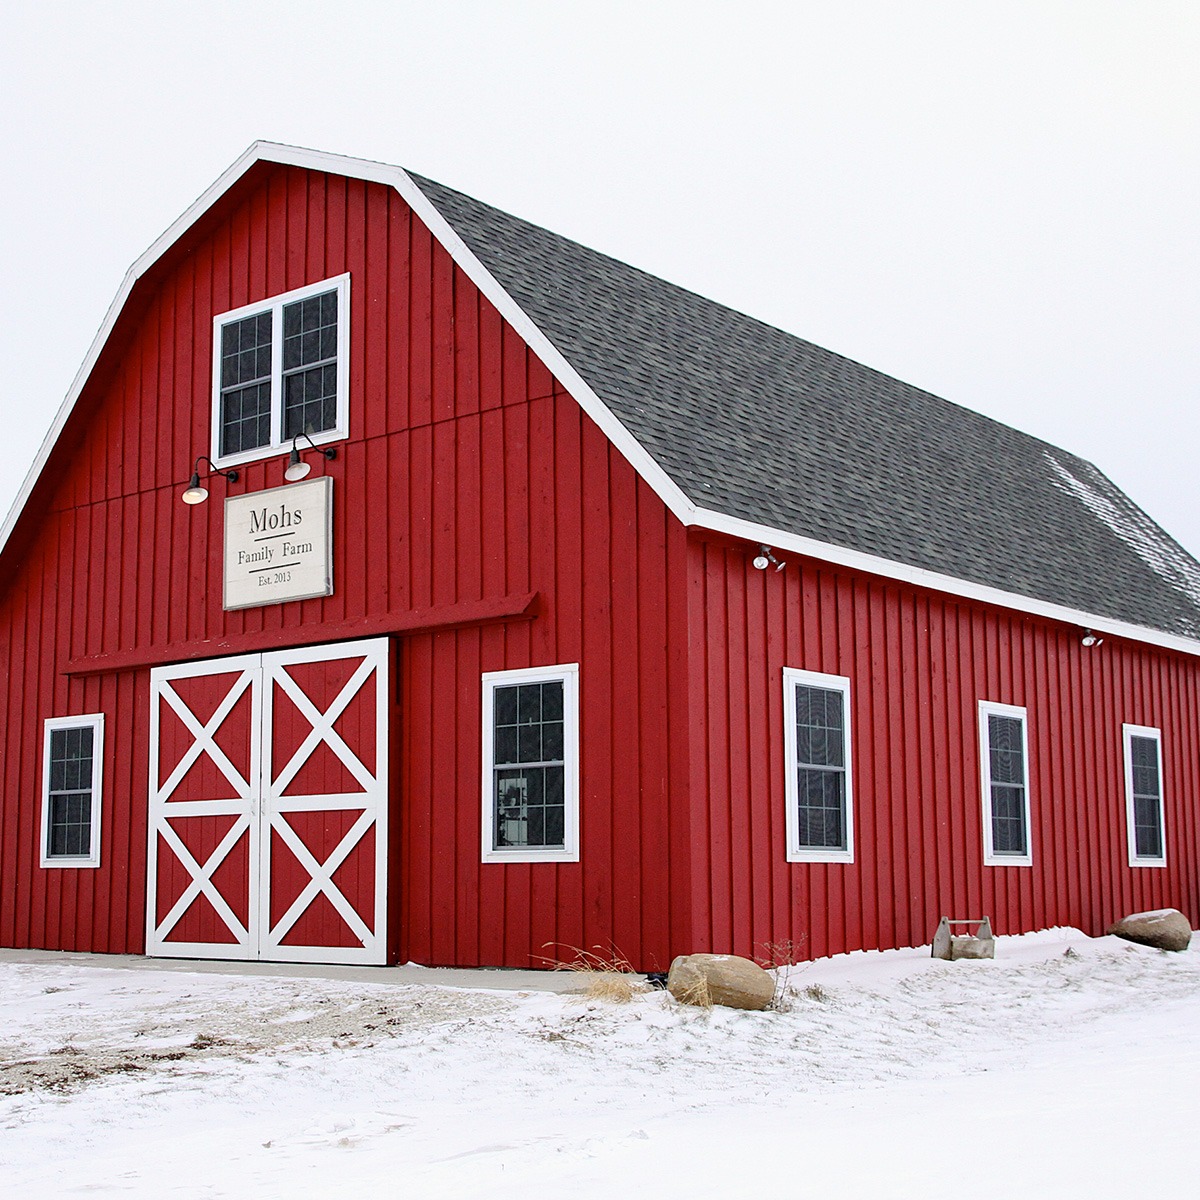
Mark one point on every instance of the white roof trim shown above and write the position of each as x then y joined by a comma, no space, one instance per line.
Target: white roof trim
135,272
641,460
359,168
857,560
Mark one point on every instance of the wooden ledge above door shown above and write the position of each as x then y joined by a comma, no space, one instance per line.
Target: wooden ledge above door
517,607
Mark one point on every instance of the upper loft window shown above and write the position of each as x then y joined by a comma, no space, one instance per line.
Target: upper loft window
1144,796
281,368
1004,765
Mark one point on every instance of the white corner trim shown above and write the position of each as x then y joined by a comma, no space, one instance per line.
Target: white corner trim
687,512
989,708
1128,733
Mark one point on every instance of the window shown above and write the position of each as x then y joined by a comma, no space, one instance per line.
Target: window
71,758
1003,753
1144,796
820,821
281,368
531,765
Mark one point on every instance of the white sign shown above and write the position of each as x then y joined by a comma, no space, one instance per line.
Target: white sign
278,544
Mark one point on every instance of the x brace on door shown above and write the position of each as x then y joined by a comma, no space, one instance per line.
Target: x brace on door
227,903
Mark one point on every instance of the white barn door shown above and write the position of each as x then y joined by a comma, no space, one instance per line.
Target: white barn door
204,839
268,806
324,804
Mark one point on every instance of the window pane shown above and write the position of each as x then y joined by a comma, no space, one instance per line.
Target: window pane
1006,769
1143,752
552,741
528,724
505,744
552,701
822,805
529,799
529,702
246,418
71,758
310,400
310,331
1147,797
1008,819
506,705
530,810
70,824
1147,828
69,787
530,743
820,767
1006,749
246,351
820,739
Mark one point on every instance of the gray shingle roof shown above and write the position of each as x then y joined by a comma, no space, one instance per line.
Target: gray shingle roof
756,423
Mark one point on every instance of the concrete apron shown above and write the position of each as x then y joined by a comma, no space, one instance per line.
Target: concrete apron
488,979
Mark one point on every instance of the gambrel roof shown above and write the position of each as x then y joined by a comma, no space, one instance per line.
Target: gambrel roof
758,424
749,430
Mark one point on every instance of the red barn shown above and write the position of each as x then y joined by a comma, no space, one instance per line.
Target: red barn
521,601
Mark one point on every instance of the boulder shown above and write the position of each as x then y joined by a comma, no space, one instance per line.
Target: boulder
1166,928
725,979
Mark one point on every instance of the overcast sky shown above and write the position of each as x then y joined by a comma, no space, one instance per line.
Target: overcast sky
996,202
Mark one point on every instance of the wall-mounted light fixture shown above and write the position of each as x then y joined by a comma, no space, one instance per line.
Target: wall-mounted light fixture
1091,639
297,468
196,492
765,557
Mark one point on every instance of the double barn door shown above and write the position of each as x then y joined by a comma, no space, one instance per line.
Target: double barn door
268,806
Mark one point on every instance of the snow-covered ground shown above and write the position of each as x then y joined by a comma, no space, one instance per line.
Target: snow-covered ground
1067,1067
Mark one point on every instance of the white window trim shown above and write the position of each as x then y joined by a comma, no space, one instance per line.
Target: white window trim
274,304
1128,733
796,852
989,708
569,851
96,721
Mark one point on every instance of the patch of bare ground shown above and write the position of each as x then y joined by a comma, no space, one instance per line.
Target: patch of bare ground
185,1033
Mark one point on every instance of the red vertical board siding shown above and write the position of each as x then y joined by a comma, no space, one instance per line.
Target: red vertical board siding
919,664
470,474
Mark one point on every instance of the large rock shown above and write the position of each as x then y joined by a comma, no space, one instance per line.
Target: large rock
1166,928
725,979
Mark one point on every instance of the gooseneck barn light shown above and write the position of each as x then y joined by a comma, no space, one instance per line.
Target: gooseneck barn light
764,557
196,492
297,468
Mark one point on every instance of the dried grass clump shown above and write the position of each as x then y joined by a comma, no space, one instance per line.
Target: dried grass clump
598,958
606,974
613,988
